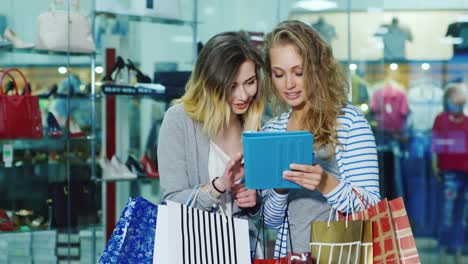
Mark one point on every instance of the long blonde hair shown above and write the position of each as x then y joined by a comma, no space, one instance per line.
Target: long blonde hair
324,81
208,90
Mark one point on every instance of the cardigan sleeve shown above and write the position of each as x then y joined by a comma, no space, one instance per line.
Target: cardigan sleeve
173,160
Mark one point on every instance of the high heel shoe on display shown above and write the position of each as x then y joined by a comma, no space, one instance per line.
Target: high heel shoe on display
74,129
133,165
54,130
116,70
141,78
5,223
149,167
115,170
10,86
18,43
52,91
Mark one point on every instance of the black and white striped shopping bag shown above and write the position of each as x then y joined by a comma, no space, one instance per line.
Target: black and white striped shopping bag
187,235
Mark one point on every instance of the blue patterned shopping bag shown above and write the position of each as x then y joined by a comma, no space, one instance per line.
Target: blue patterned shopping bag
133,238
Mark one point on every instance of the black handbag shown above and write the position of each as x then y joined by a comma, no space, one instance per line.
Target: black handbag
78,199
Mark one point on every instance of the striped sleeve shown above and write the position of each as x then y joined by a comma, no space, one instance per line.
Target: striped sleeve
274,204
274,208
358,163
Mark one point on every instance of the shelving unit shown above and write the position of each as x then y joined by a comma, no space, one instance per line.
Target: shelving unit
36,176
123,94
44,52
150,19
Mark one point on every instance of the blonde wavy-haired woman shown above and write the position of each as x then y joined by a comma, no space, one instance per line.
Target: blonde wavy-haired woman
308,83
200,140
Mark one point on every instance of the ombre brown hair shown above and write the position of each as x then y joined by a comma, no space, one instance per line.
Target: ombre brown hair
209,88
324,82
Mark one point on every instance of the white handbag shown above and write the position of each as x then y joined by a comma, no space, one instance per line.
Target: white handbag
56,27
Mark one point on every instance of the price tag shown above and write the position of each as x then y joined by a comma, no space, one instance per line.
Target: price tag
8,155
388,108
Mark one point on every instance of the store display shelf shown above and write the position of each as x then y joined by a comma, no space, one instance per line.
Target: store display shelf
47,164
141,179
151,89
44,52
148,18
98,227
65,96
44,143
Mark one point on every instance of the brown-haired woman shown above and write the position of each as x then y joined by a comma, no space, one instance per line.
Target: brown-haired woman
305,78
200,146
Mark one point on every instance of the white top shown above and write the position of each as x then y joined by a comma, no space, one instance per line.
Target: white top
425,101
217,162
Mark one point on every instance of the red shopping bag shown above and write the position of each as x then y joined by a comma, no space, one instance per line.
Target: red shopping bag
407,251
20,116
393,240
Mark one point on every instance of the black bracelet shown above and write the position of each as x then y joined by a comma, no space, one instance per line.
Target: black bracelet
214,186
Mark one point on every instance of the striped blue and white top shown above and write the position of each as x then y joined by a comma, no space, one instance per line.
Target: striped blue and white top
356,157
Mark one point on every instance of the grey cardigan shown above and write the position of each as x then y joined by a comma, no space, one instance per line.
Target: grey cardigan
183,151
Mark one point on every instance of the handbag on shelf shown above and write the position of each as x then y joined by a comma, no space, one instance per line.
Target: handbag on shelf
59,30
20,116
83,209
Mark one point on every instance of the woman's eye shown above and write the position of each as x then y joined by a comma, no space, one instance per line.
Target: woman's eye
252,82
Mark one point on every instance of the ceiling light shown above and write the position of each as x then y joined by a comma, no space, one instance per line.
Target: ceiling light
364,107
99,69
315,5
425,66
393,66
62,70
353,66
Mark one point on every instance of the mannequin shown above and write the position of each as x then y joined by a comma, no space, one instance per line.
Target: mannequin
459,30
394,37
326,31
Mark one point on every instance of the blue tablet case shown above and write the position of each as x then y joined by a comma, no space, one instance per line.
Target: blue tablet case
268,154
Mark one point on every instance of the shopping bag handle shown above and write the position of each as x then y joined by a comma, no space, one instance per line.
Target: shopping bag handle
364,202
8,72
337,213
262,225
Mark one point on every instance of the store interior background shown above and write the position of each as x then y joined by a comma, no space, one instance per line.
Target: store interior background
154,46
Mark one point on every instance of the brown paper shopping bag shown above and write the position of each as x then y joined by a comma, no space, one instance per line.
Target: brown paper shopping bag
341,242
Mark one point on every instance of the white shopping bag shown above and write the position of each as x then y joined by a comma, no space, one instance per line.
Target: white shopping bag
189,235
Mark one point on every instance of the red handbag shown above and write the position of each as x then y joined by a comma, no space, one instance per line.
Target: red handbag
20,116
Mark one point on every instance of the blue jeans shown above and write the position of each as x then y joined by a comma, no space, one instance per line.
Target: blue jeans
422,194
454,213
